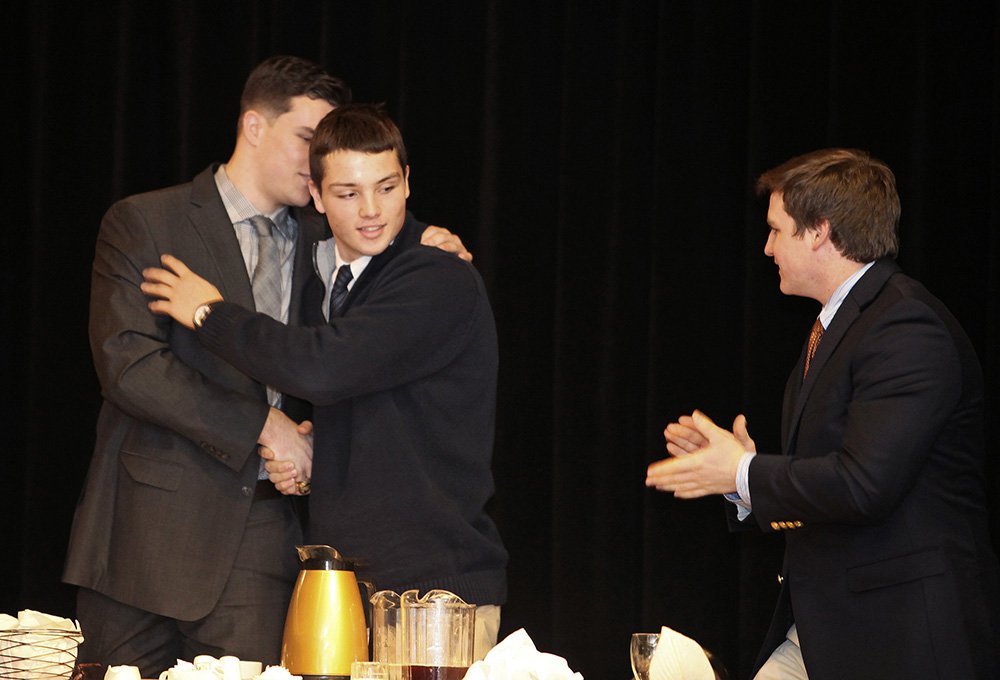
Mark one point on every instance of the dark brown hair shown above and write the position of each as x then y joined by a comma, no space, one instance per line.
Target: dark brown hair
847,187
355,127
271,86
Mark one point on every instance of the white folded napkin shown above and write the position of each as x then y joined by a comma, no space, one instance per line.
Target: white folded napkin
515,658
678,657
277,673
122,673
28,618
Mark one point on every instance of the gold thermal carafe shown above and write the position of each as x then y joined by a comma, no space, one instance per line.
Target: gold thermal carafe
325,628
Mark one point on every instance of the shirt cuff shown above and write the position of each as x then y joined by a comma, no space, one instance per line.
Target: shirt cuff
742,496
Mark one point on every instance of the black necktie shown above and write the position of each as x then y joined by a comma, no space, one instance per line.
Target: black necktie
338,294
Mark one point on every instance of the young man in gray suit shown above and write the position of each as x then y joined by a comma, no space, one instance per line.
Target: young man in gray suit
888,571
180,543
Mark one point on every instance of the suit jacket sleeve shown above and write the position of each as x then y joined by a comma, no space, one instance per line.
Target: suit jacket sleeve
416,320
872,422
137,355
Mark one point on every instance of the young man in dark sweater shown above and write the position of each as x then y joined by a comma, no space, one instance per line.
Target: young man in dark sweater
400,365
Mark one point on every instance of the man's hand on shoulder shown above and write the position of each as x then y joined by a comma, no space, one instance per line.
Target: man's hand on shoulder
439,237
179,291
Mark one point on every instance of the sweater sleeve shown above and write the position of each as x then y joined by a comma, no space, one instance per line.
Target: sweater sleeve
415,321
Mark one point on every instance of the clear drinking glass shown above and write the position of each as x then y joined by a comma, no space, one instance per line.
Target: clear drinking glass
369,670
641,653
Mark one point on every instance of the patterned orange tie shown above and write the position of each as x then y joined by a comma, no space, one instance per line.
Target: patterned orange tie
815,335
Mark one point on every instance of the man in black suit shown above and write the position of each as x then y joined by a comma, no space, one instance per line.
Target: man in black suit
180,544
888,568
400,365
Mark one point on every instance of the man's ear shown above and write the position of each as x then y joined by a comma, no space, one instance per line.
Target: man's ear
252,126
820,234
406,181
317,197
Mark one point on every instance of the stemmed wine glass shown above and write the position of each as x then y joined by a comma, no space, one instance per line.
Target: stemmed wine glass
641,652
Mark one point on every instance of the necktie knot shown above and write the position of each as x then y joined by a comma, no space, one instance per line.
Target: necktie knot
263,226
815,335
338,293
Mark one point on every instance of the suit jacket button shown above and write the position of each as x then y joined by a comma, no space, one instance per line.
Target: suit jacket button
247,491
781,579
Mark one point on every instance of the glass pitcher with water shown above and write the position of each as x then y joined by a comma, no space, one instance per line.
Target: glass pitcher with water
423,638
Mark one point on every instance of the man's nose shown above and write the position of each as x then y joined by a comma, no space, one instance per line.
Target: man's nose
370,206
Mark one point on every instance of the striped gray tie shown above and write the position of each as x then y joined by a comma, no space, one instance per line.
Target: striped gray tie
267,275
266,286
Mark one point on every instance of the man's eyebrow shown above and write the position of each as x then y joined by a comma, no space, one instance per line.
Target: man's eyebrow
394,175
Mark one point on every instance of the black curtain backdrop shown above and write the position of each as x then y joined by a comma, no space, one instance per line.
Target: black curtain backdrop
598,158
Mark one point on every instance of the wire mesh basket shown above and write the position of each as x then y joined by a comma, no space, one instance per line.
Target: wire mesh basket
38,653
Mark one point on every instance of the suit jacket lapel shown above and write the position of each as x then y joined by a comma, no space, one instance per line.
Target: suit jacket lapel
845,316
798,389
209,218
792,387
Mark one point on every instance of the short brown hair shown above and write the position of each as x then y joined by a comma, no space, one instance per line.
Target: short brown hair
356,127
273,83
847,187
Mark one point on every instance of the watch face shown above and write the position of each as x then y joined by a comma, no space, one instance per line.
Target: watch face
200,314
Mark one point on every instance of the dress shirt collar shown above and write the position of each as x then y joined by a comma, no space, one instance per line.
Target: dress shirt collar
240,209
833,304
327,261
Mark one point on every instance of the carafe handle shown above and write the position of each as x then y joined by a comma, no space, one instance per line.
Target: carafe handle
367,590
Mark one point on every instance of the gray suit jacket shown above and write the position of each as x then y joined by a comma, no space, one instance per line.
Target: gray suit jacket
174,468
